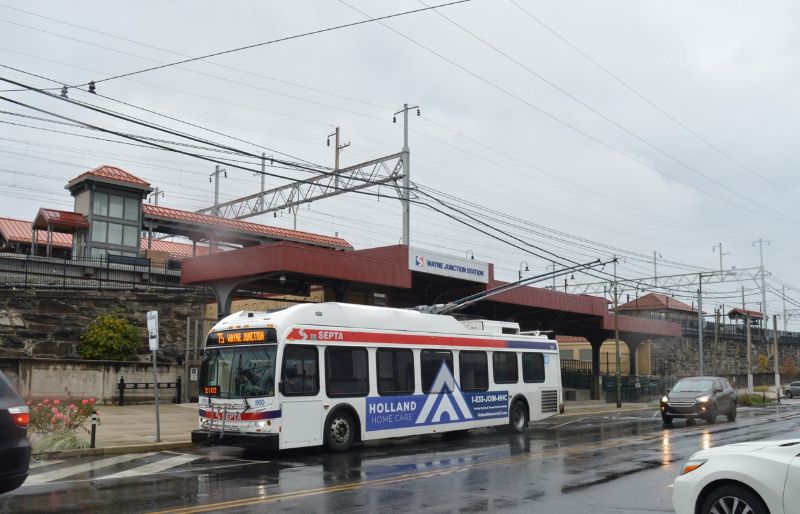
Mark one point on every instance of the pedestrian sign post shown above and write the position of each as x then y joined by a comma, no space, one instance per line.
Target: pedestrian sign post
152,337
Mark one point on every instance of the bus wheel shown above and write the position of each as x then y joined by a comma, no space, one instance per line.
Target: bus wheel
518,417
340,431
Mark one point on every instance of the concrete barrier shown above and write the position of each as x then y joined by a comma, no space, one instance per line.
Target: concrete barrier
37,379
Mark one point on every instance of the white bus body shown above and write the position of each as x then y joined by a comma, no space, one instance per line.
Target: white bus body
334,373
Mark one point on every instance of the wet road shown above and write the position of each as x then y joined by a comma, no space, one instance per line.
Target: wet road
600,463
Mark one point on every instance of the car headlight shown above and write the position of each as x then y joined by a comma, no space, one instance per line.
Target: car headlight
664,399
692,465
702,399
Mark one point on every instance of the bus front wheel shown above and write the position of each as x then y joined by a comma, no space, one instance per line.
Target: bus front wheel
518,417
340,431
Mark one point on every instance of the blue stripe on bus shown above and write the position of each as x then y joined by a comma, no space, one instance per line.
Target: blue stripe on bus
531,345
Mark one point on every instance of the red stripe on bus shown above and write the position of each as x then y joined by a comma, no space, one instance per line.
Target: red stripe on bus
299,334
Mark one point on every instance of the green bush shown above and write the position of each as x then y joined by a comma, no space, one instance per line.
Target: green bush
110,337
58,441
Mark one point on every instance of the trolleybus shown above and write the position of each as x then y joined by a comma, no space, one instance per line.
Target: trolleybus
334,374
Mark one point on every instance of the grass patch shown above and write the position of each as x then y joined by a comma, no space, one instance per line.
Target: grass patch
57,441
750,400
761,389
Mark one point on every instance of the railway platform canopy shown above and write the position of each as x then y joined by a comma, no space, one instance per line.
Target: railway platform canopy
406,277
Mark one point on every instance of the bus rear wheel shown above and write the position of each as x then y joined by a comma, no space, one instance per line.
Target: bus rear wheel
340,431
518,417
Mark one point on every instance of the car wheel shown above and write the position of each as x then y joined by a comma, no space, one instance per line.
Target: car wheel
712,414
340,431
518,417
789,394
666,419
732,413
734,499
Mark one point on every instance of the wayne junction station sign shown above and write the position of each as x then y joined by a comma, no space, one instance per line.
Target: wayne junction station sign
435,263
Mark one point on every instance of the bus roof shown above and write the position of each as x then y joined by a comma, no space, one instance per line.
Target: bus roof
332,314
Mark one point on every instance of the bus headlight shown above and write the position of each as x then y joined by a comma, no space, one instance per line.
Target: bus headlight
261,424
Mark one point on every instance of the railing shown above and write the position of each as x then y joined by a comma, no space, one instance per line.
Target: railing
737,332
633,389
115,273
576,366
141,386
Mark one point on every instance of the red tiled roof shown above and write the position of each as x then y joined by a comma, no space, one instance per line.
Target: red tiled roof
656,302
59,220
110,173
19,231
156,211
178,251
571,339
742,313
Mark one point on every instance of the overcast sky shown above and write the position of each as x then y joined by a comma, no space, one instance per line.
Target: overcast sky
609,125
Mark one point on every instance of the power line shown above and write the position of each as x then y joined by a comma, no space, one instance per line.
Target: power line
278,40
597,140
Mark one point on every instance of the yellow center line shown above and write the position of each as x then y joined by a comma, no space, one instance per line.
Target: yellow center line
587,447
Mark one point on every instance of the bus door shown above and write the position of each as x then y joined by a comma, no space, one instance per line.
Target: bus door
301,407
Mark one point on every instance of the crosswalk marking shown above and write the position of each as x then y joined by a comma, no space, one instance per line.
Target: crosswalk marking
58,474
154,467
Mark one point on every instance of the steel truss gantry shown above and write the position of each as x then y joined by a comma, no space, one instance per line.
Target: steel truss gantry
669,282
353,178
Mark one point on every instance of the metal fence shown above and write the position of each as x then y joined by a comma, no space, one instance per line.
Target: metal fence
113,274
636,389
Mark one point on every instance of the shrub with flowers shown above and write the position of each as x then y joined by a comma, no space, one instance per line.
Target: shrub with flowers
56,423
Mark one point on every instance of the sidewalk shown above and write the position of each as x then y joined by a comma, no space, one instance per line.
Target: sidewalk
132,429
596,406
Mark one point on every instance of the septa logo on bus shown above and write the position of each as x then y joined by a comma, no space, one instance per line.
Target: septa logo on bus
445,403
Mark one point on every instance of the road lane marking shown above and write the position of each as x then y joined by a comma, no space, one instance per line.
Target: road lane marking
154,467
58,474
567,423
582,448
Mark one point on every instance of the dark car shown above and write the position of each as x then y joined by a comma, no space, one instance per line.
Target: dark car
699,397
15,450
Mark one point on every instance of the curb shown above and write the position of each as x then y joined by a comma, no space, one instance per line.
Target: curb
113,450
604,409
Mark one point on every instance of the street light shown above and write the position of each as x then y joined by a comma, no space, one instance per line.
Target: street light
521,270
470,255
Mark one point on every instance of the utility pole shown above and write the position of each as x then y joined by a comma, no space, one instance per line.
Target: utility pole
783,295
156,193
337,151
714,249
744,305
263,176
764,317
655,267
700,321
716,341
749,356
406,173
775,351
616,334
547,268
216,173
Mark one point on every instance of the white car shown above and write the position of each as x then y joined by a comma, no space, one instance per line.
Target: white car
745,478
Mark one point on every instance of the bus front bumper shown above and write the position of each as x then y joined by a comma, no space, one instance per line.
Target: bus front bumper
251,441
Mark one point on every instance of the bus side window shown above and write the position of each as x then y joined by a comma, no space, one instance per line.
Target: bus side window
474,371
300,371
504,365
346,372
395,371
431,363
532,367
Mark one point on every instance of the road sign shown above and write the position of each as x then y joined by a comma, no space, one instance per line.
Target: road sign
193,374
152,330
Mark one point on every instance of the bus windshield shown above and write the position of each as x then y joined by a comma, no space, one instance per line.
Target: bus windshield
242,372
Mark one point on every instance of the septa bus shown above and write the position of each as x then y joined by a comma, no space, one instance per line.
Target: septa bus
334,374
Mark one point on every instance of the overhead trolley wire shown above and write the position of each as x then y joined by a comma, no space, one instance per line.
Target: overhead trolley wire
494,85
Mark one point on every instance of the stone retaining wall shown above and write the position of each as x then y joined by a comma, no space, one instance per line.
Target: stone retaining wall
48,324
